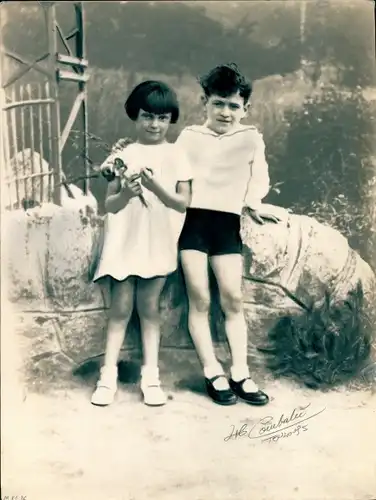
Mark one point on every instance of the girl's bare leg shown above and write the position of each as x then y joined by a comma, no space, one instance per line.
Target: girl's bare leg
122,298
148,297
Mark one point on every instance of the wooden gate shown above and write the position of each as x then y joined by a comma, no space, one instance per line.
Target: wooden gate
32,137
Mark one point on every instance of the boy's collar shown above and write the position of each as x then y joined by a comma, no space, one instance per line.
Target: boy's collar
237,128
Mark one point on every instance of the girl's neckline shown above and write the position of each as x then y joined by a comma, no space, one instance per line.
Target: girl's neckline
148,145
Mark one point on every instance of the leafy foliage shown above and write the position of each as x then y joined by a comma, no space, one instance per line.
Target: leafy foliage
324,347
328,164
329,147
336,34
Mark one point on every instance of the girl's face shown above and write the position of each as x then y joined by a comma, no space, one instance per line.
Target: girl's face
152,128
223,113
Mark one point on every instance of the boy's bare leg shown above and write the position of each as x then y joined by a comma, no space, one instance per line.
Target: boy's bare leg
228,272
195,268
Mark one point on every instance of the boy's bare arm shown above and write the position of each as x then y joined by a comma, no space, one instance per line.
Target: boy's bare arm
261,217
121,144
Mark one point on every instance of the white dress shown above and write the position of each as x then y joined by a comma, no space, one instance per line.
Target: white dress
143,241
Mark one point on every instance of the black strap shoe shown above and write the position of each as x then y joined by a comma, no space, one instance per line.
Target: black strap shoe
224,397
258,398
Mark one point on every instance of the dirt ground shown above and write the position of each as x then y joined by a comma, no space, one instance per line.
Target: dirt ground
57,446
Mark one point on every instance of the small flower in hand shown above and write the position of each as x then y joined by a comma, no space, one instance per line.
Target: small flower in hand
262,218
122,169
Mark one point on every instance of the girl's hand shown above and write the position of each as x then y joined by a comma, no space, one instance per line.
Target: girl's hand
148,180
131,187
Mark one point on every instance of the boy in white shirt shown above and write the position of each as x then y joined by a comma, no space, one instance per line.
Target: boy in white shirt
230,172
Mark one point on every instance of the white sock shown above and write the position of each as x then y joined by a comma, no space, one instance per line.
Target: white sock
109,375
239,372
111,371
213,370
150,374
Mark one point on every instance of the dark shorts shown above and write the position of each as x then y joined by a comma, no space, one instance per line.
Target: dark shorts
211,232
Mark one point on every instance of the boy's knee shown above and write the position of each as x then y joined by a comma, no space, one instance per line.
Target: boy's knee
231,302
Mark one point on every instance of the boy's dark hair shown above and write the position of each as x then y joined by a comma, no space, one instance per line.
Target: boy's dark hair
152,96
225,80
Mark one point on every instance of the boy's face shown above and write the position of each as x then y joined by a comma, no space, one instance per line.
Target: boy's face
223,113
151,128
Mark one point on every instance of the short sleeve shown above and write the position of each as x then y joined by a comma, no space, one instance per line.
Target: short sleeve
183,166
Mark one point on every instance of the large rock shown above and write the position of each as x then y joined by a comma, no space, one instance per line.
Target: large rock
287,267
292,265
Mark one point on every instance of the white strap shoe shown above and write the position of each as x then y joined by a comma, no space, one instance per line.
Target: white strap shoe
105,391
151,389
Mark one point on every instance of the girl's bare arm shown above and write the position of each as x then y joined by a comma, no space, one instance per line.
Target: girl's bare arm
179,200
117,197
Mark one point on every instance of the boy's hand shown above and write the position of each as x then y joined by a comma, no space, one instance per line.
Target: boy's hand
148,179
262,218
120,145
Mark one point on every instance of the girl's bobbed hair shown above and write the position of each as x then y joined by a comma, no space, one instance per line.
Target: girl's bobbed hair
155,97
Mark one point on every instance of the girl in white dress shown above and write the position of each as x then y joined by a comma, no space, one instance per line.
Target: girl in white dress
146,208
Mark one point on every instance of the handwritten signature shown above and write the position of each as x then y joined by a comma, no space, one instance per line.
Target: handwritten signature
270,430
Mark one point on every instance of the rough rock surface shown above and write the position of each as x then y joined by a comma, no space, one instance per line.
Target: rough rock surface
47,252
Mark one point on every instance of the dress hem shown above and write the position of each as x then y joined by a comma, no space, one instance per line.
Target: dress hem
120,280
